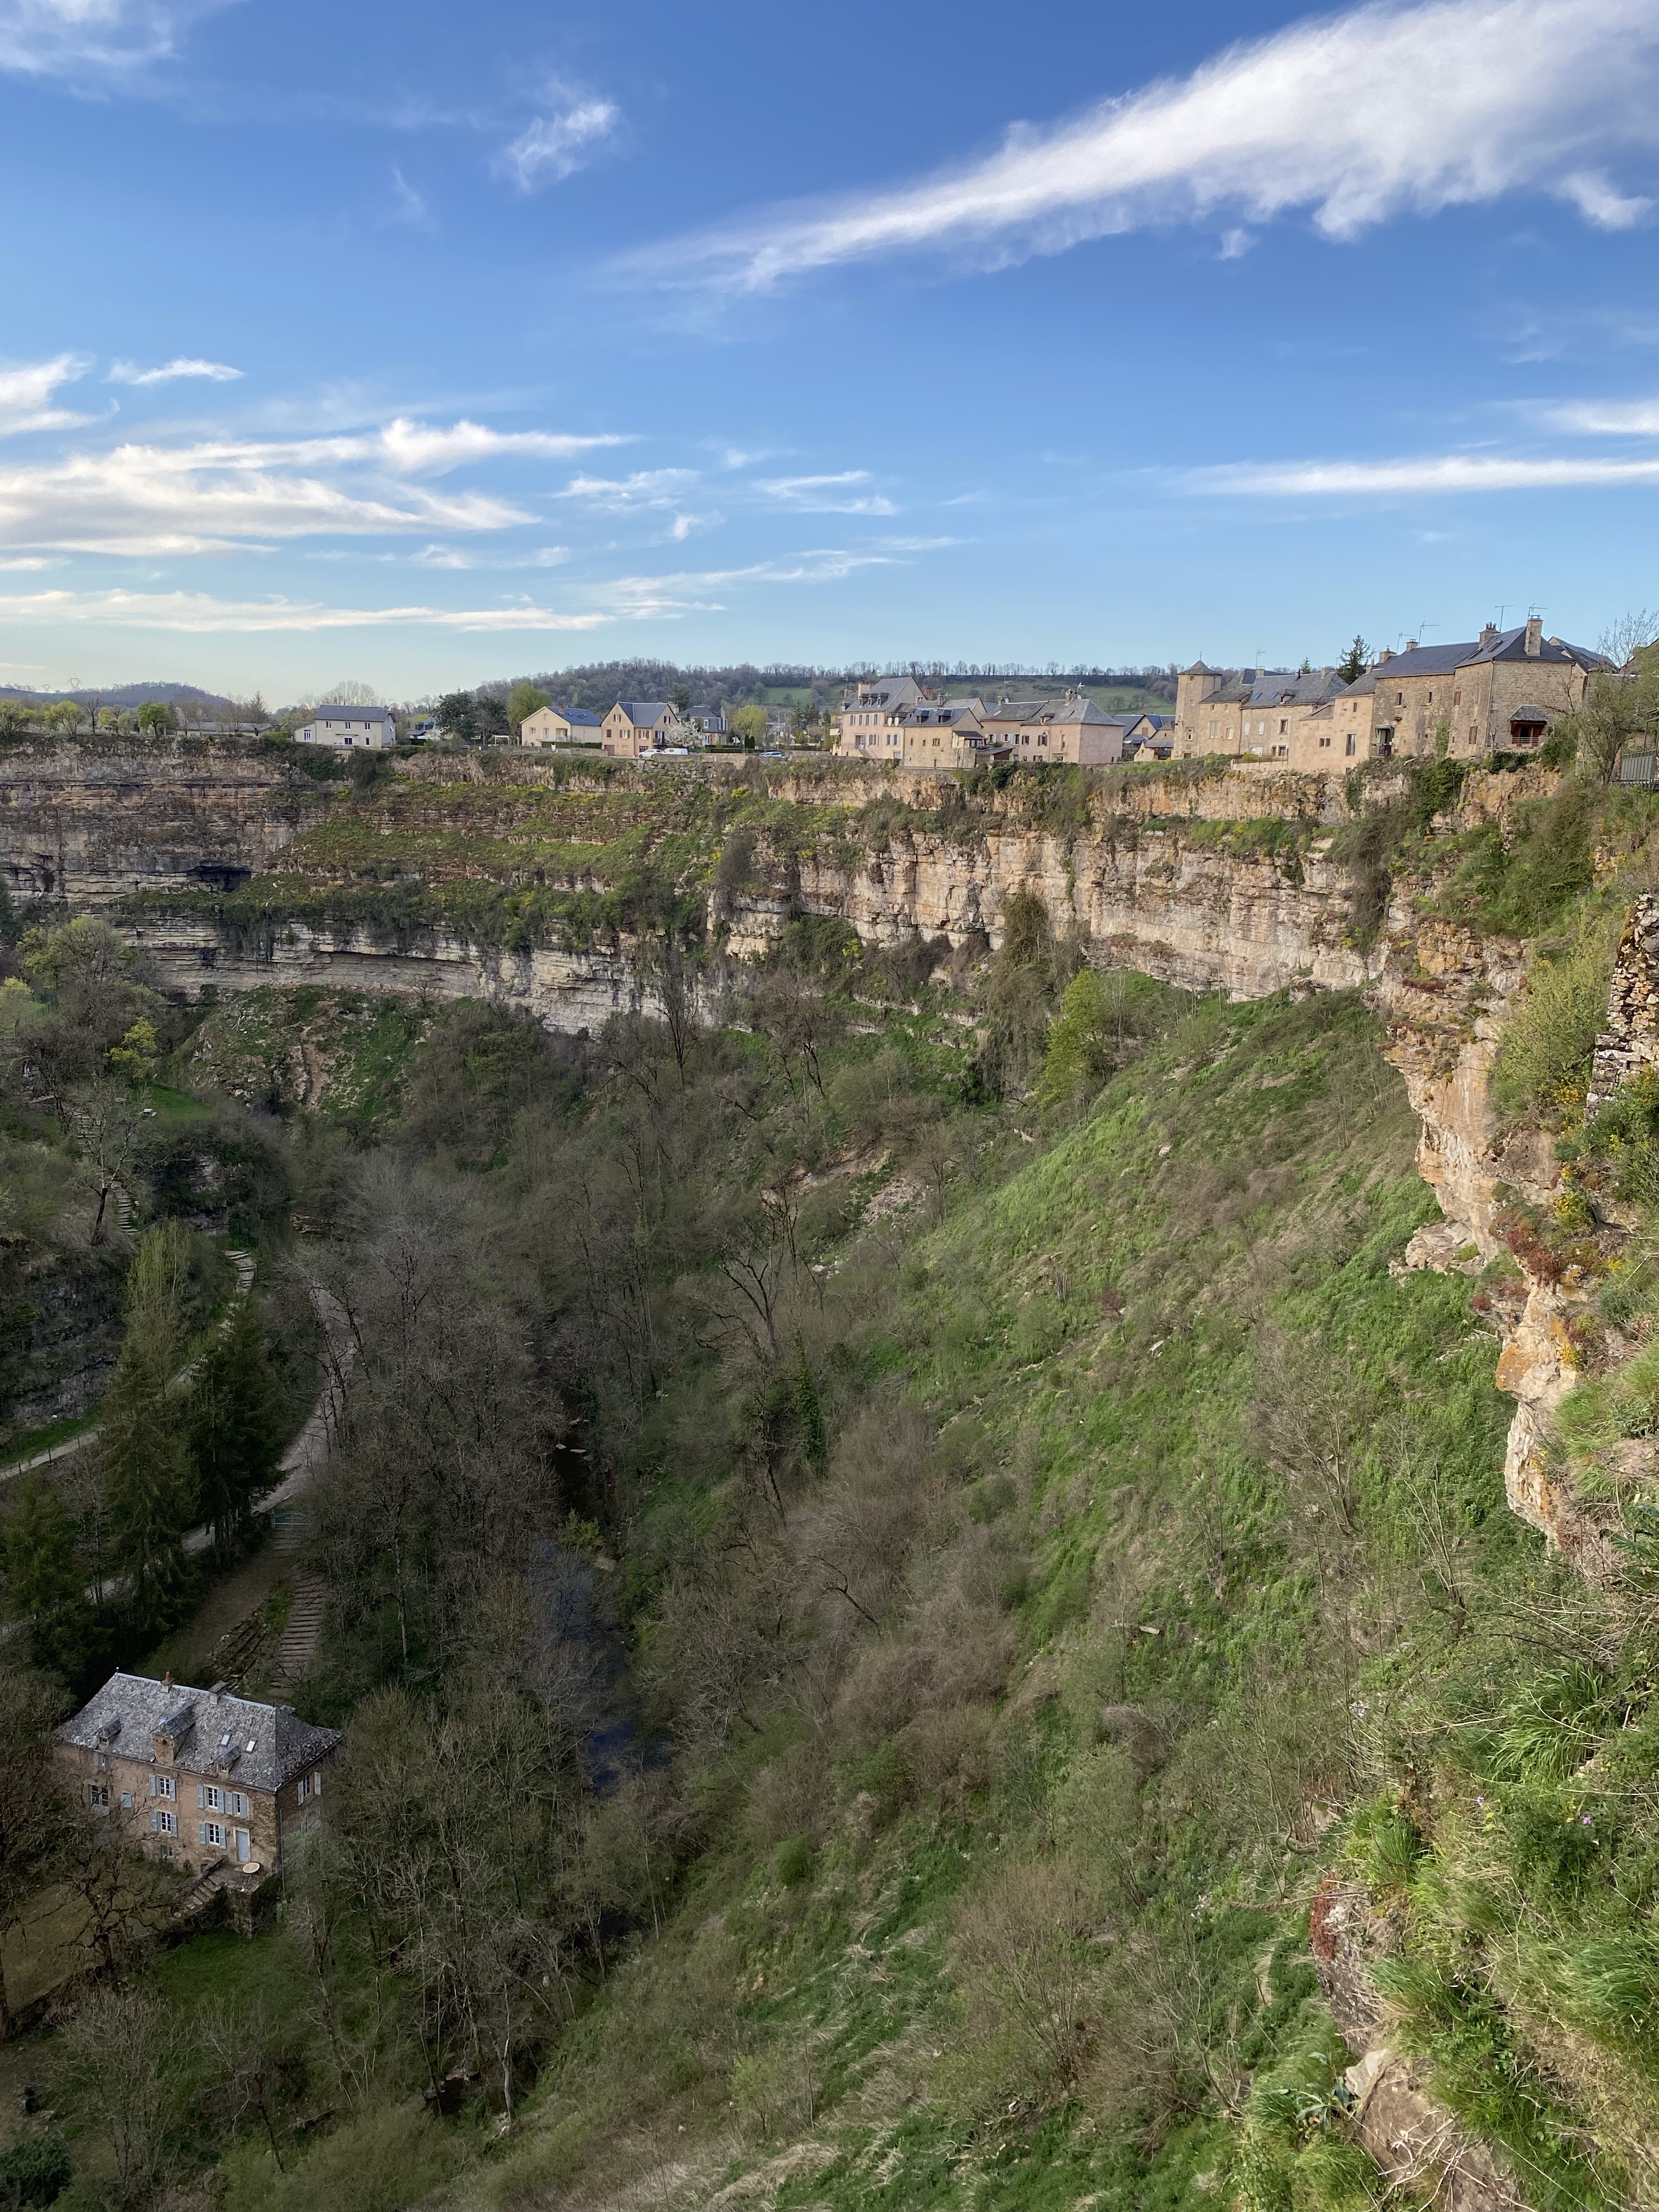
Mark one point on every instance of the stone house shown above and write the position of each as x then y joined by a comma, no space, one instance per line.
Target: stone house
348,726
870,724
1498,691
634,727
1073,728
1250,714
560,726
201,1777
942,733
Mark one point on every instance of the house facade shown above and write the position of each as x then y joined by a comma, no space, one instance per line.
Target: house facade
1073,728
198,1777
941,733
348,726
870,724
1254,715
1497,693
637,726
560,726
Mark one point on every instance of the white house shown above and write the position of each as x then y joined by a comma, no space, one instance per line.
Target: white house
348,726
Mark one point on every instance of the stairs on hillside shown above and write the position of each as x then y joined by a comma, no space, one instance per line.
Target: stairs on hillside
203,1891
305,1622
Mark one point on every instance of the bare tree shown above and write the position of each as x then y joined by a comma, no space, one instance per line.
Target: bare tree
125,2068
29,1813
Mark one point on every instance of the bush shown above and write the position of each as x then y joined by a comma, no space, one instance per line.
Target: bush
382,2162
1543,1062
33,2170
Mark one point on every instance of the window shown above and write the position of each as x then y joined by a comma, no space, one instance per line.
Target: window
167,1823
97,1797
1212,729
163,1785
1457,698
1351,745
1283,727
1430,698
212,1834
208,1798
1399,698
126,1800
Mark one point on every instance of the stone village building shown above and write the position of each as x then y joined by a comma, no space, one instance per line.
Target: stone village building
560,726
1495,693
870,724
202,1777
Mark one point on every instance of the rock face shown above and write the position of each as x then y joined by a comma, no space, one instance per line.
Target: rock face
1631,1039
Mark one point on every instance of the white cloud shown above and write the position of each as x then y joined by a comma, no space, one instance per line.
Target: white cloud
829,494
217,493
199,613
1356,118
551,556
411,209
171,372
1433,473
26,394
556,145
88,41
1605,418
646,488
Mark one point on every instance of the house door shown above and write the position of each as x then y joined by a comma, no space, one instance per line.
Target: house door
243,1846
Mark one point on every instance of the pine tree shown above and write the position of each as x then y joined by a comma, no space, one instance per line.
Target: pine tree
146,1458
46,1579
233,1430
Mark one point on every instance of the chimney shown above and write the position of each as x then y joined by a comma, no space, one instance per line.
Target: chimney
1535,644
166,1680
1411,645
1387,653
1489,635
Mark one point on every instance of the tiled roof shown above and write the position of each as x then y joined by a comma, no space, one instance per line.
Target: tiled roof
264,1745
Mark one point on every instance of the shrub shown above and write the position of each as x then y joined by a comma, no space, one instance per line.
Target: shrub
33,2170
380,2163
1544,1061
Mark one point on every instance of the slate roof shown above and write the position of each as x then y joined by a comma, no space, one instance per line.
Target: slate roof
1503,645
579,718
1279,687
348,714
264,1745
642,713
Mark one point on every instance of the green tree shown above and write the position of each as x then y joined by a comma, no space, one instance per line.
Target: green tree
458,716
748,725
523,700
233,1431
157,718
46,1580
1619,709
681,697
1355,661
146,1458
30,1811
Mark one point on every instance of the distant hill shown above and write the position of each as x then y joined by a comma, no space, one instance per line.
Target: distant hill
120,695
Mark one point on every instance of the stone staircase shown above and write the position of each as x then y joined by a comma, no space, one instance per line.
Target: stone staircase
203,1891
304,1621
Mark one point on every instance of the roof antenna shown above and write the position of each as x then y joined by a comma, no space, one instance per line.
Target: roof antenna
1502,610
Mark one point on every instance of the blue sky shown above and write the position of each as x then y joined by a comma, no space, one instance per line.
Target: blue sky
423,345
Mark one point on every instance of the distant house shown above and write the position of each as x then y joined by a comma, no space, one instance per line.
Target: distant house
942,733
712,725
348,726
1254,713
870,724
560,726
1073,728
637,726
202,1776
1149,737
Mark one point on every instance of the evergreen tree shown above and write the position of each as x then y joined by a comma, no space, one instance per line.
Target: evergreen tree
1355,661
233,1431
46,1579
146,1458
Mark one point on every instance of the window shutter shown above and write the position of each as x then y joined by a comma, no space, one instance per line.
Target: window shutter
201,1796
152,1785
317,1784
201,1829
155,1822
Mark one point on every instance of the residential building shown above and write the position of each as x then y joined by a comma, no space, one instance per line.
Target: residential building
941,733
1073,728
870,724
1500,691
560,726
201,1776
1149,737
712,725
1248,713
348,726
637,727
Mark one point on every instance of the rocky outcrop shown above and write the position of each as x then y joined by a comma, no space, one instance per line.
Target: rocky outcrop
1631,1039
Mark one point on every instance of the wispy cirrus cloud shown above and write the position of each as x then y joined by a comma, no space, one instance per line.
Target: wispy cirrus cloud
199,613
26,394
92,42
1605,418
827,495
554,146
214,495
1420,473
1356,117
174,372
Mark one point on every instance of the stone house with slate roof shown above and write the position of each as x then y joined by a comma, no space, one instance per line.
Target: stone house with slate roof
201,1776
1254,715
870,724
1497,693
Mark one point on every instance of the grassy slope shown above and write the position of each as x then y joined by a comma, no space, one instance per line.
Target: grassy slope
1255,1167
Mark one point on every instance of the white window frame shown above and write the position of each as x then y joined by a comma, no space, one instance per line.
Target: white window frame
212,1834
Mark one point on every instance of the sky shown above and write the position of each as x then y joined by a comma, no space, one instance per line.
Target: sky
423,345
